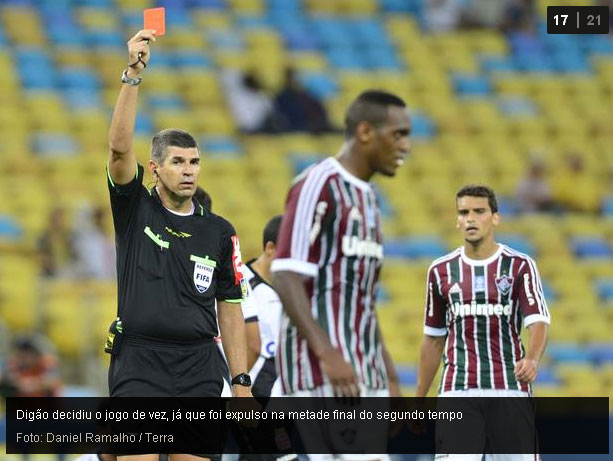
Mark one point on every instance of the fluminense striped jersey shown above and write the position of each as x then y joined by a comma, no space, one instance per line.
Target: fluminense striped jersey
331,233
480,306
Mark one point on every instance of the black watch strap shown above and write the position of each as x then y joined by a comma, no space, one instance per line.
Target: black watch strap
242,379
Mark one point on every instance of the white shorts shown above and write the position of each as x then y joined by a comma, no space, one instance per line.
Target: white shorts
488,457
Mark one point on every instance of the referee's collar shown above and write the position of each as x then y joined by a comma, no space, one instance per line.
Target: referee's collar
199,210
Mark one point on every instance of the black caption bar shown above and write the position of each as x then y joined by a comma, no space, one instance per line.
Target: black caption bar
577,19
308,425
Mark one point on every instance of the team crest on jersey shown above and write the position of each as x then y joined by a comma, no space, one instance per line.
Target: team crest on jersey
504,284
203,274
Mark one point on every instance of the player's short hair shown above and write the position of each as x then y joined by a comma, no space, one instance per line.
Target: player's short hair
167,138
203,198
370,106
476,190
271,231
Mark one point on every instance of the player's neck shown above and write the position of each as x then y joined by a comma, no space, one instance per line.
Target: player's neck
174,202
350,159
480,250
262,266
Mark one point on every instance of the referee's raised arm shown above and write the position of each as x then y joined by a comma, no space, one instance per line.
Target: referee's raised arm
122,161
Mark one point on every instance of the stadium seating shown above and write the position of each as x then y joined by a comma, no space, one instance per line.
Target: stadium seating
482,102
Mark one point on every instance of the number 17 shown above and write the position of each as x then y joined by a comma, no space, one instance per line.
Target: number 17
564,18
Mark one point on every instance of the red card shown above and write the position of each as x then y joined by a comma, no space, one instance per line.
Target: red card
155,18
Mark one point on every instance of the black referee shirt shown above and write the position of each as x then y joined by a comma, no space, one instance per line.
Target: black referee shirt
171,268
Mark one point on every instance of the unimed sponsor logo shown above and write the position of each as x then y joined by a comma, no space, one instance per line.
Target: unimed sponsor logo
353,246
487,310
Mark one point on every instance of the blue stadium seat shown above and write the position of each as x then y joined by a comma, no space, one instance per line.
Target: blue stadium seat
321,84
299,38
517,242
221,145
565,61
568,353
9,228
421,126
547,375
132,19
607,206
144,125
346,58
67,36
209,4
549,292
177,17
284,5
517,106
534,63
604,288
507,207
82,98
165,101
162,58
54,144
407,375
471,85
252,22
301,161
191,58
385,207
106,38
78,78
227,40
591,248
383,295
382,58
428,247
601,353
407,6
497,64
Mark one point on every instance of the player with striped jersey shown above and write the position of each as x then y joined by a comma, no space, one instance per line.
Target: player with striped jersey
329,256
478,297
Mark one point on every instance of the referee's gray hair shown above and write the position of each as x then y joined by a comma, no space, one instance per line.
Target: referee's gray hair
167,138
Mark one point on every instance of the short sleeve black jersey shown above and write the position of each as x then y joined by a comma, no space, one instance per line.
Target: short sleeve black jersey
171,268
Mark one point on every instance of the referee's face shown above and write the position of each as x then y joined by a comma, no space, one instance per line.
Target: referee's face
178,173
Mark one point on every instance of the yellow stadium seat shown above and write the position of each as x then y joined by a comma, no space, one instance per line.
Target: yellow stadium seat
307,61
206,19
359,7
252,7
97,18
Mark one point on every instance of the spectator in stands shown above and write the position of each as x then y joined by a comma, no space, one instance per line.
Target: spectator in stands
30,371
575,188
94,247
299,110
518,14
55,246
533,193
442,15
250,105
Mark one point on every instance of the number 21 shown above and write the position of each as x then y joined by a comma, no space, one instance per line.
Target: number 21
590,19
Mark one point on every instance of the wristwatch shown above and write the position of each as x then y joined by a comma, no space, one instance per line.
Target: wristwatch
130,81
242,379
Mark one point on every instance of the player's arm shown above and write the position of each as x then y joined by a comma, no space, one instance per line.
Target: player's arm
234,341
435,333
533,306
254,342
429,360
122,161
526,369
290,287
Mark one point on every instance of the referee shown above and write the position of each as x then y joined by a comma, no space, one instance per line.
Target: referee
175,260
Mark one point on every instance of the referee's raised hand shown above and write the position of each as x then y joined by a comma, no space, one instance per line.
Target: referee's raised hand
138,50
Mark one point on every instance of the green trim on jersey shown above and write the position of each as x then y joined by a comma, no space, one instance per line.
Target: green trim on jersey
507,342
206,261
233,301
156,238
460,372
483,359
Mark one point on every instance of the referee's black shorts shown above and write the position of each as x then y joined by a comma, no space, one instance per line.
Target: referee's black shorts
145,368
